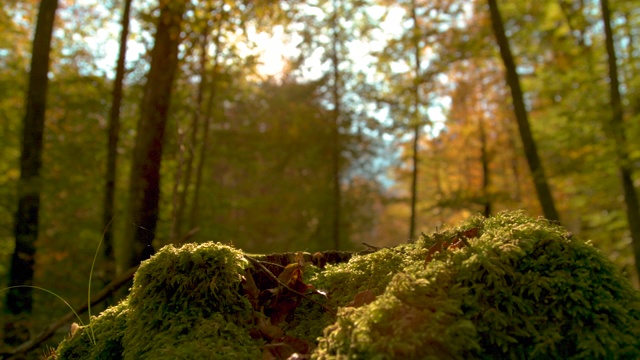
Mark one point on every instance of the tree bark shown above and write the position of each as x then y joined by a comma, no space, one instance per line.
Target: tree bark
20,300
616,125
195,204
181,204
414,180
336,123
415,118
486,169
529,145
144,192
112,149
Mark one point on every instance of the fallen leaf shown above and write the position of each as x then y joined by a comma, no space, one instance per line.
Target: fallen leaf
250,289
283,307
362,298
268,330
277,351
271,332
471,233
435,248
290,274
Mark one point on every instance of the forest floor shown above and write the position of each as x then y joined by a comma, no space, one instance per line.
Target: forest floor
506,286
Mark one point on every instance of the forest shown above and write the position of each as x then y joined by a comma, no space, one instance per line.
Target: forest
302,125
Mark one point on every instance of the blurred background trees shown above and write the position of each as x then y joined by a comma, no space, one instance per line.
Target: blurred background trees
314,125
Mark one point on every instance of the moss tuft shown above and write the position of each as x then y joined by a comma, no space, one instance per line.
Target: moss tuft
365,272
184,304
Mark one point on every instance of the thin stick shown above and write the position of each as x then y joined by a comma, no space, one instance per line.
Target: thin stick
271,263
372,247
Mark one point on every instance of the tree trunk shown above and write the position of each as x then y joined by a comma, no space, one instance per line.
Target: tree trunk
415,118
112,149
617,129
486,170
336,123
529,145
20,300
414,180
181,204
195,205
144,189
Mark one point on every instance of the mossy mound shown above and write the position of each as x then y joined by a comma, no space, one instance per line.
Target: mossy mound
184,304
522,288
505,287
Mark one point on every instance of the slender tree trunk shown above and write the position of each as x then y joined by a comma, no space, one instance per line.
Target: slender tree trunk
20,300
617,129
336,123
177,181
634,65
144,192
112,149
629,30
486,170
414,180
530,150
484,155
415,118
206,130
195,128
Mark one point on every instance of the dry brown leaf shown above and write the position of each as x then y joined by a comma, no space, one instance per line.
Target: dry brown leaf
272,332
362,298
435,248
250,289
291,271
268,330
471,233
277,351
458,241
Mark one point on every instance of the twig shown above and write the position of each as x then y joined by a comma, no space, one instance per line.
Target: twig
375,248
271,263
189,235
273,277
51,329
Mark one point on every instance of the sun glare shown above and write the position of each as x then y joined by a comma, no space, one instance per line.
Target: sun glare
274,50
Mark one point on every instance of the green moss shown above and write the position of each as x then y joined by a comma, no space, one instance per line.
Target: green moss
109,327
343,281
524,288
365,272
184,303
412,319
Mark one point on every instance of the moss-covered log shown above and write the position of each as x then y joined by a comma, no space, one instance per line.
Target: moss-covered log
505,287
